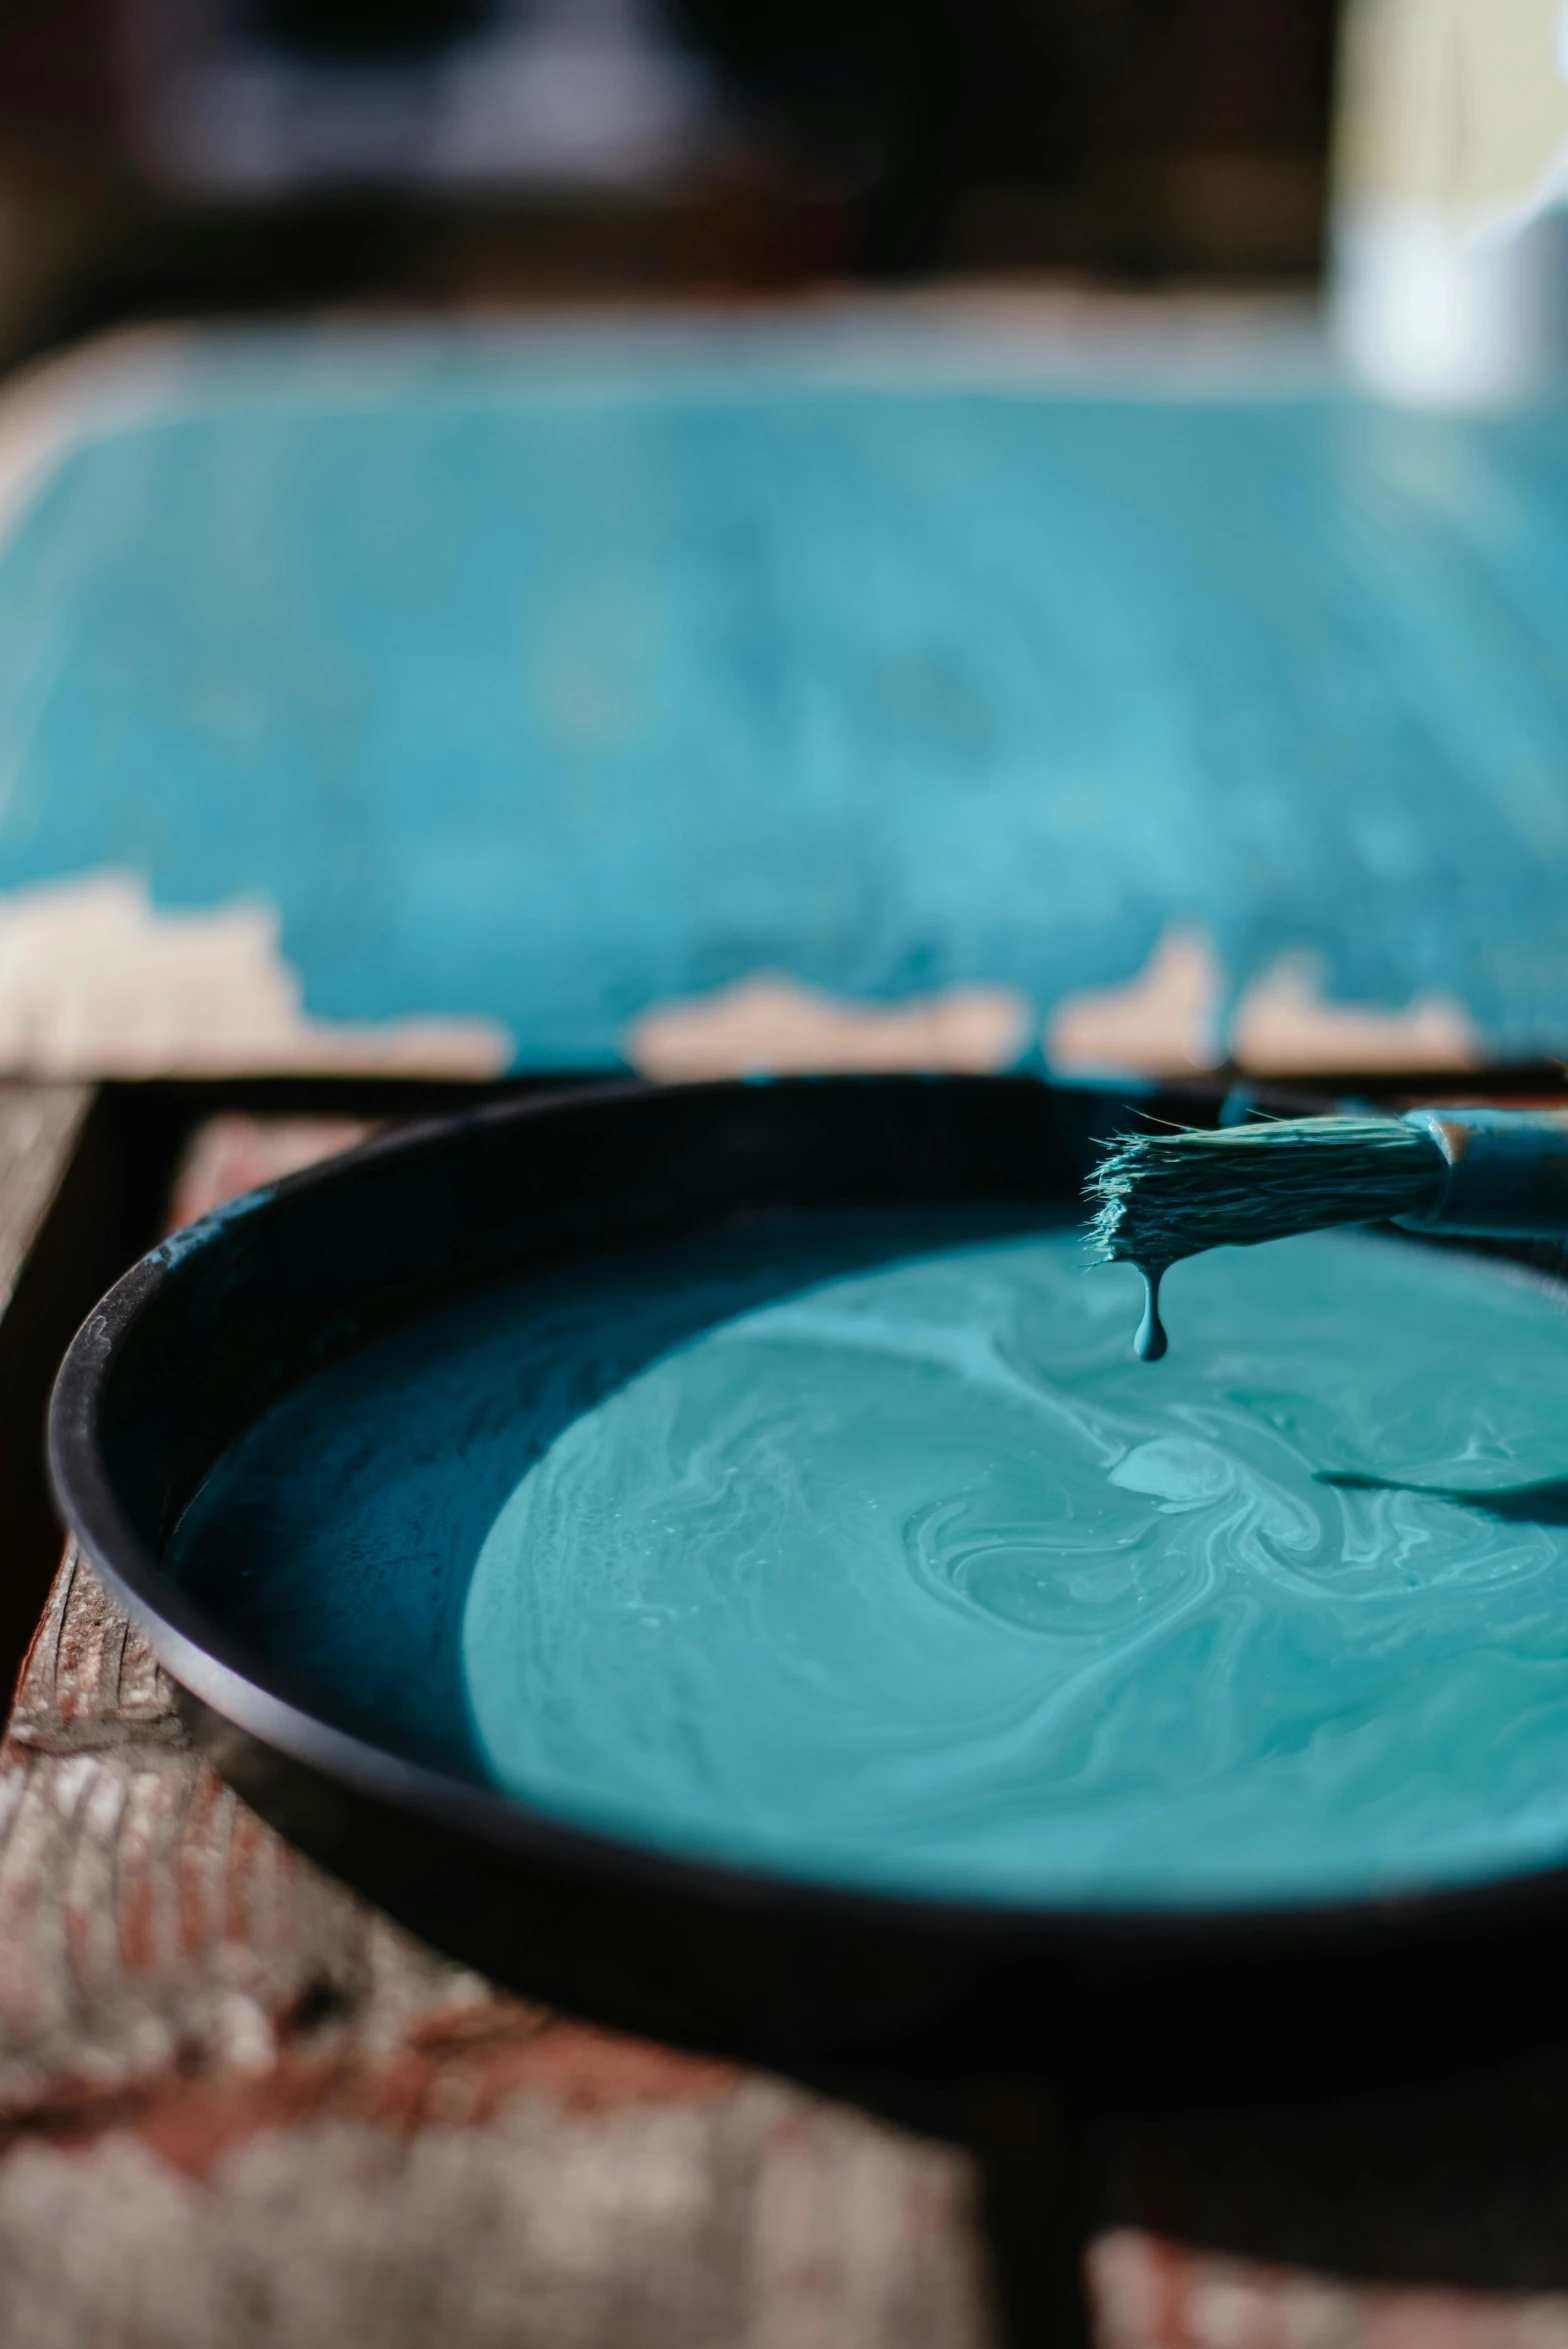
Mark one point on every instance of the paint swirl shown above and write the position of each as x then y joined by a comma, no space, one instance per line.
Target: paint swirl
915,1579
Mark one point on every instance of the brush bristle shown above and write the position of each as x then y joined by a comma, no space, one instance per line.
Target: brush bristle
1158,1197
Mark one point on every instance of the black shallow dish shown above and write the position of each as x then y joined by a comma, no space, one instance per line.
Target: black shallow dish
203,1335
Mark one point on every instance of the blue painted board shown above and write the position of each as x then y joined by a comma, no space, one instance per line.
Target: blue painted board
547,686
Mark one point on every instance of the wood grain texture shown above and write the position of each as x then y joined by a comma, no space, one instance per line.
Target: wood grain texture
39,1128
52,1179
238,2106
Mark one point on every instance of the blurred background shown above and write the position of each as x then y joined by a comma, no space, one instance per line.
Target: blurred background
177,157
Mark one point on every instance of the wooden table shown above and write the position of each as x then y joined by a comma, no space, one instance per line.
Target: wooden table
1080,671
238,2107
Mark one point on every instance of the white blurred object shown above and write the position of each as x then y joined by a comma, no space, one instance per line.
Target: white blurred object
1449,242
1435,316
561,92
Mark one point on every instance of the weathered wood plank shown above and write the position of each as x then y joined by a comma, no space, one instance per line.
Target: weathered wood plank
40,1126
1151,2293
233,1152
236,2104
47,1279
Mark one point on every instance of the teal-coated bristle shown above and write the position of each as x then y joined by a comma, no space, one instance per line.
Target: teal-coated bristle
1158,1197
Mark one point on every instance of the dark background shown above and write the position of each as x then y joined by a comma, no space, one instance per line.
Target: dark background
1139,142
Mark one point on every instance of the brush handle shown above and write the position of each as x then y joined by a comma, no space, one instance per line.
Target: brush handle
1507,1173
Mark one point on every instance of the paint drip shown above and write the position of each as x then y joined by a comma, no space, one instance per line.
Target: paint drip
1149,1340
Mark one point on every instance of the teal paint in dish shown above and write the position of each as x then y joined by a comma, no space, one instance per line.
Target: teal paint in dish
554,687
339,1537
866,1552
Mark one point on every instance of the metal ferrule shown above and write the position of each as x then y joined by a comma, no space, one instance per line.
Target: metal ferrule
1507,1172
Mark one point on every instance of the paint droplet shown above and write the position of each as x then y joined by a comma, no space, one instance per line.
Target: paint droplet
1151,1341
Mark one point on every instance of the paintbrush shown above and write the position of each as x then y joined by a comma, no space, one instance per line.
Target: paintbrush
1499,1173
